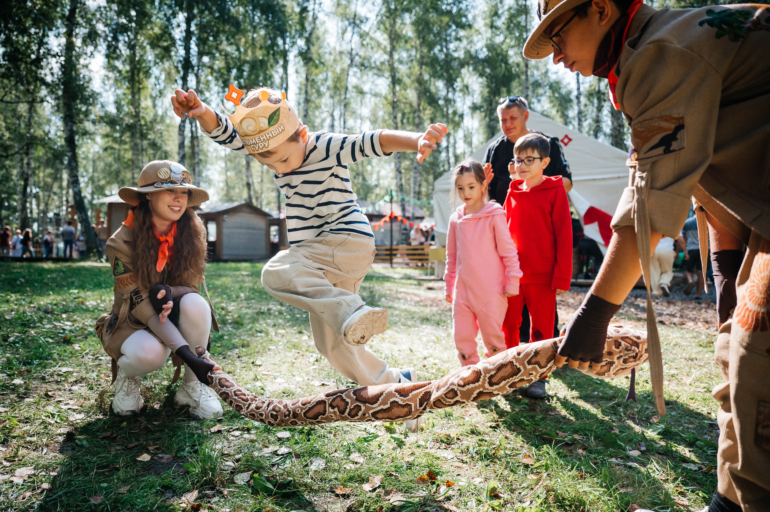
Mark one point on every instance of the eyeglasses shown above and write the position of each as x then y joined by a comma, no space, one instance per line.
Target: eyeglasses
511,100
553,37
529,160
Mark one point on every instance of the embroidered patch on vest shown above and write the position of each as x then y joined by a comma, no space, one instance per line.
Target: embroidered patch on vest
735,23
659,136
119,268
753,311
135,298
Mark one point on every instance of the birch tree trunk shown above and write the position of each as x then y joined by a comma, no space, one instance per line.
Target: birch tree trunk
417,167
306,63
136,111
186,65
69,97
247,171
351,56
579,103
394,102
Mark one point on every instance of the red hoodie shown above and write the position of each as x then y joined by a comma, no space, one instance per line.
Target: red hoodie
541,227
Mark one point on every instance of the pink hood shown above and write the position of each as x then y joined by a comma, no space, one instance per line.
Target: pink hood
481,256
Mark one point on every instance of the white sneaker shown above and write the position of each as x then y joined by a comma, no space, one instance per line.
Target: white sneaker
203,402
363,324
128,398
666,291
408,375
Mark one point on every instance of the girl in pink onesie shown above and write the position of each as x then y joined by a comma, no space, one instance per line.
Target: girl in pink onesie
482,266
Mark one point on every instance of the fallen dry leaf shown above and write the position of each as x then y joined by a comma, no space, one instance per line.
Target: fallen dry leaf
124,490
24,472
283,435
341,491
133,445
527,459
191,496
242,478
216,428
655,419
634,453
143,458
374,482
151,448
356,457
96,499
45,487
431,476
393,497
164,459
449,483
423,480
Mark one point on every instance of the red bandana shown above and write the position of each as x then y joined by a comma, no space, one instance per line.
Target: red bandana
610,49
166,243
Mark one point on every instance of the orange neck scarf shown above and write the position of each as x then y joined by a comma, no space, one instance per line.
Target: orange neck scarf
166,244
129,222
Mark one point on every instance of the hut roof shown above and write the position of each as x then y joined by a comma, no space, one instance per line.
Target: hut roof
226,207
114,198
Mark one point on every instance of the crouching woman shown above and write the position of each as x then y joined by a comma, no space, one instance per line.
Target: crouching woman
157,258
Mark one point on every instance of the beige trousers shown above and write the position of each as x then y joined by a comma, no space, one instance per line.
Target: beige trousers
322,276
661,270
743,354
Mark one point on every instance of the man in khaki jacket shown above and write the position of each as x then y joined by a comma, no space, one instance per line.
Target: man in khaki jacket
695,88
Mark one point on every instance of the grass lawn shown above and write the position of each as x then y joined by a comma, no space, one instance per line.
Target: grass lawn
584,448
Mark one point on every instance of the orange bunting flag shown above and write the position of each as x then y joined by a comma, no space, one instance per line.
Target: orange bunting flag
411,224
399,218
376,227
404,222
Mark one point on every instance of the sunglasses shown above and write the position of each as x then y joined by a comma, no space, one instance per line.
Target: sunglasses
556,34
513,100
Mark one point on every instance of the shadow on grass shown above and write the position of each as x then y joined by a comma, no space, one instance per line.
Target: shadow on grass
626,446
152,461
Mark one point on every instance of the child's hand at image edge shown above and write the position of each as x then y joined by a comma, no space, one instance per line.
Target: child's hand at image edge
428,140
449,299
187,104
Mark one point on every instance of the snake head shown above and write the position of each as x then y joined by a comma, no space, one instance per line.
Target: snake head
204,354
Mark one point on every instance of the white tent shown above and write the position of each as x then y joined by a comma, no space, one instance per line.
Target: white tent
599,175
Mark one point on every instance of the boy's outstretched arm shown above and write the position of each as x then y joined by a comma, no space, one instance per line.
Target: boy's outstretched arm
188,103
392,141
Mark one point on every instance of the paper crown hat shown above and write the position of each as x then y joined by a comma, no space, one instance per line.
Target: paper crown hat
265,126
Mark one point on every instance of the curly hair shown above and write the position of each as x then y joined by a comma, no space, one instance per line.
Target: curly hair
188,259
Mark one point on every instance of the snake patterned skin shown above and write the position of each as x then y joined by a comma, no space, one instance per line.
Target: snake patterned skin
625,350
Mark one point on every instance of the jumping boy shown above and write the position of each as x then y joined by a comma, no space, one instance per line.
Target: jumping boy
541,227
331,241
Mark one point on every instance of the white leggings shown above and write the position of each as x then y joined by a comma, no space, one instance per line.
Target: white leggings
143,353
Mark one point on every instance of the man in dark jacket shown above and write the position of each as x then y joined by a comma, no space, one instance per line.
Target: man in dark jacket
513,113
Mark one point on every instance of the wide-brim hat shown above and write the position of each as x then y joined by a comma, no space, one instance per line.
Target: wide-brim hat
538,46
164,175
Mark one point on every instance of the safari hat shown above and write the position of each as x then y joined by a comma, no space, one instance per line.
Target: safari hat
538,46
163,175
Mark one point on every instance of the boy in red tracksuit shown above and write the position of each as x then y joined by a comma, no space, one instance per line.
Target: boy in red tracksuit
540,224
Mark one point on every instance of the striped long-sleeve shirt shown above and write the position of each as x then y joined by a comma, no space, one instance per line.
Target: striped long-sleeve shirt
319,196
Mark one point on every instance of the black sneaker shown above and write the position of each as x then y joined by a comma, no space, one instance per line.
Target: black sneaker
536,390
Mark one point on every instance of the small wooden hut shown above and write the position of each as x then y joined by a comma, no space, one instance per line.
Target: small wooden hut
236,231
117,211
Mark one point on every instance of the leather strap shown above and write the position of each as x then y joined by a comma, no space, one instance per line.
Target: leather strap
703,240
643,233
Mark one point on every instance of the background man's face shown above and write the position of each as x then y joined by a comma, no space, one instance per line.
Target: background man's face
513,121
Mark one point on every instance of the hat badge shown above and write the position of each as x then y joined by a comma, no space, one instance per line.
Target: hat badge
164,173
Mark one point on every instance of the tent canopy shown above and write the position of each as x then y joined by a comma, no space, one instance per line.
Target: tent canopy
599,175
